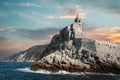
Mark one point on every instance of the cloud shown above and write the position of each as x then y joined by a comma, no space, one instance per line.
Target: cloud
36,18
68,12
107,6
112,7
10,29
72,10
108,34
37,34
29,4
28,39
81,15
9,46
43,2
25,4
4,42
2,29
51,17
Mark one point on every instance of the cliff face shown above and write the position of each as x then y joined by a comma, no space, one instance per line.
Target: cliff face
30,55
72,51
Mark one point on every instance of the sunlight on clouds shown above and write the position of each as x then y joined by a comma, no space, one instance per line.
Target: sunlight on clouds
68,12
107,34
2,29
115,35
11,46
71,12
10,29
81,15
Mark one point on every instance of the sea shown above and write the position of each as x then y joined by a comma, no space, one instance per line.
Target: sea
21,71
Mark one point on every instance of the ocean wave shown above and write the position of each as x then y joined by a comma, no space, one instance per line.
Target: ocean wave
42,71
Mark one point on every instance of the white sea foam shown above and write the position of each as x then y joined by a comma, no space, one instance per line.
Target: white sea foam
42,71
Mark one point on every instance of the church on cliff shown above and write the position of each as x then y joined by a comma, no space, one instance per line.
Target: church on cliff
73,35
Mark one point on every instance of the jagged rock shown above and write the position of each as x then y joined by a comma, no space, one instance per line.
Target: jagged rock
70,50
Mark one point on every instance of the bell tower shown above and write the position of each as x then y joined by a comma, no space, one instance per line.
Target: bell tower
78,20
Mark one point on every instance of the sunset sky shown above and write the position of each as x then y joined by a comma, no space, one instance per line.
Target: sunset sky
25,23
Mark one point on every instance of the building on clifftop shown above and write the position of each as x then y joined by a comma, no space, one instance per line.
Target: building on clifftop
74,30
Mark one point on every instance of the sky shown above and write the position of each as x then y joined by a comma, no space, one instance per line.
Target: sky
25,23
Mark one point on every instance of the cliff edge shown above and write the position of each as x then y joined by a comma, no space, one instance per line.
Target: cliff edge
72,51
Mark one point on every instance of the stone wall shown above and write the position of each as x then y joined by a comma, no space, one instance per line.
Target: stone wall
108,51
71,32
88,44
107,47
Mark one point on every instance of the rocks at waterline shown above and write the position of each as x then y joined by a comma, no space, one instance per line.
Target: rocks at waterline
72,51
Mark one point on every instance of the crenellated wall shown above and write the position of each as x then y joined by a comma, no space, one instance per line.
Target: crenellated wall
107,49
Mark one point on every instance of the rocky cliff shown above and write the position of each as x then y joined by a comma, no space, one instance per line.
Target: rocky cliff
30,55
70,50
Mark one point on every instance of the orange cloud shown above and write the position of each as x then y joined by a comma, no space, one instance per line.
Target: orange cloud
82,15
67,16
107,34
10,46
2,29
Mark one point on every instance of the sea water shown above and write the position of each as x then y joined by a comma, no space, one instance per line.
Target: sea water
21,71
